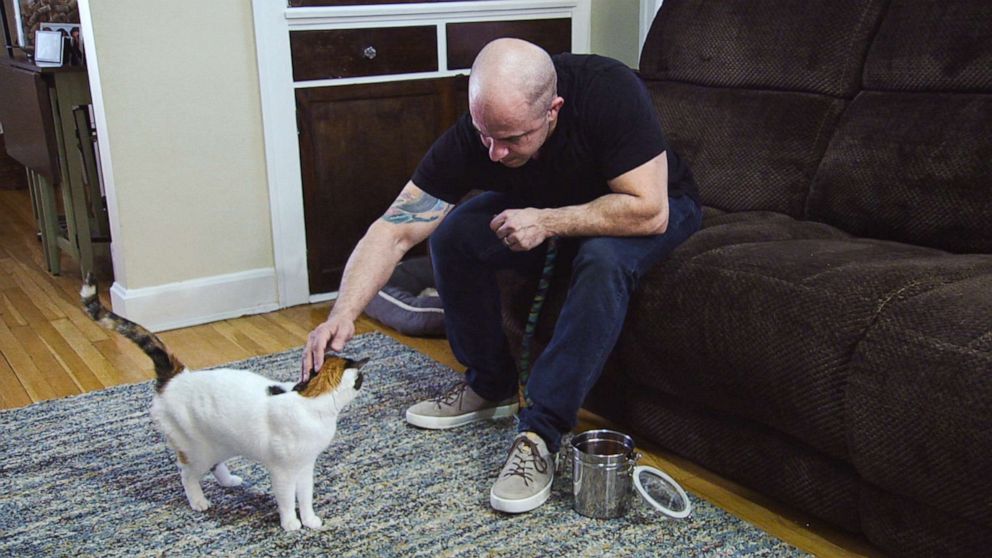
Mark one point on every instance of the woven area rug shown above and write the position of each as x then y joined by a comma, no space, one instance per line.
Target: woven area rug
89,476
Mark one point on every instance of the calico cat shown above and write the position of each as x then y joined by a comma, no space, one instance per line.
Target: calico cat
211,416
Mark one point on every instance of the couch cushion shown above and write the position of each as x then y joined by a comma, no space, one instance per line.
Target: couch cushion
920,394
739,44
748,149
908,528
743,227
752,119
911,167
932,45
912,155
756,456
765,329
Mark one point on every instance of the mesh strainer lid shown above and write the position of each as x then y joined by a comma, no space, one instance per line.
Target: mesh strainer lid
662,492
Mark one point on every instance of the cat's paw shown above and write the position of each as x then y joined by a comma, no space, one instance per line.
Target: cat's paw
230,481
199,504
313,522
291,524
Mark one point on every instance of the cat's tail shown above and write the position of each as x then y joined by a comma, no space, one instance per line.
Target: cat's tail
166,363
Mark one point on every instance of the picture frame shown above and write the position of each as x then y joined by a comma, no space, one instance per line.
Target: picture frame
31,15
67,27
48,46
72,33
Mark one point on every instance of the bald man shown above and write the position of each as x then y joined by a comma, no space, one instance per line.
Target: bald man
568,146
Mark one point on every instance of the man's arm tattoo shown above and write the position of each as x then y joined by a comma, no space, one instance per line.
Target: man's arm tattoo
421,208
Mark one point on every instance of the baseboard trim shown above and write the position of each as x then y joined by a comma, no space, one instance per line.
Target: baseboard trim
198,301
323,297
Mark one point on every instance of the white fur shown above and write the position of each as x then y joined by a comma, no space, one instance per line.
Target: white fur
214,415
87,291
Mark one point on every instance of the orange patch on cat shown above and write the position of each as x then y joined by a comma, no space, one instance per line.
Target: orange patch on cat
182,458
327,379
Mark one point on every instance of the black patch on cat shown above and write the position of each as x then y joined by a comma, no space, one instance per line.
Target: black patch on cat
302,385
276,390
357,364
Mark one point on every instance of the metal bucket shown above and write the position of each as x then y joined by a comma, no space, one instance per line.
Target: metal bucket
605,474
602,473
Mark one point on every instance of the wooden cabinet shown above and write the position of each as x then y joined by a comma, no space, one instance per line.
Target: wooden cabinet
359,145
374,86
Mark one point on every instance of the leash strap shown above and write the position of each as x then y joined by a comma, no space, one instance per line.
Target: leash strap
535,312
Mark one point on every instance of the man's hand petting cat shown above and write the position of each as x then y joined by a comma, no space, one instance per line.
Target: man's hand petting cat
334,332
520,229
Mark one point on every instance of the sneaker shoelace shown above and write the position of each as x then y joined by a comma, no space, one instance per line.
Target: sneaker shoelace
523,463
451,397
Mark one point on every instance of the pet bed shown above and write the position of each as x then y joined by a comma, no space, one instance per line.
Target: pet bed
409,302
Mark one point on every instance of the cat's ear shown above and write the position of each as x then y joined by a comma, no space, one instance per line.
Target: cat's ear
356,363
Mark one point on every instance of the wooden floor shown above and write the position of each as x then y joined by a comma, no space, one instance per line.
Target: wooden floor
50,349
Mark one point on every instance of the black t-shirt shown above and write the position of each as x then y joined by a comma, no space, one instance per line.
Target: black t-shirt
607,126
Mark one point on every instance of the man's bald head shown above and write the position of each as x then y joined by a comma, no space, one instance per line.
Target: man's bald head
512,75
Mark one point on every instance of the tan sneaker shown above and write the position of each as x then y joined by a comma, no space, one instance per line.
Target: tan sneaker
526,479
457,406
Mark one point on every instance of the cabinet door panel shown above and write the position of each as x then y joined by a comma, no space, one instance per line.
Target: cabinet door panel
359,145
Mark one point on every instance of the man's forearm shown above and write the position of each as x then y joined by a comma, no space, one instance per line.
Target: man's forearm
637,206
368,269
609,215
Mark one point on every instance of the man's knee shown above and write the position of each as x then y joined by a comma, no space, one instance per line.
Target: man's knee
599,259
467,221
440,240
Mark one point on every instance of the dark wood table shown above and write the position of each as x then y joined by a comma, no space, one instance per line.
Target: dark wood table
36,109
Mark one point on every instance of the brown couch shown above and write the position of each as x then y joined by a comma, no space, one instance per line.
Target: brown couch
826,338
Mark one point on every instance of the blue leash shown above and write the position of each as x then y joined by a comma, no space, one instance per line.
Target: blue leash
532,317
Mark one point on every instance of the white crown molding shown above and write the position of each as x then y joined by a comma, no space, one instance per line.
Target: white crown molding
413,13
198,301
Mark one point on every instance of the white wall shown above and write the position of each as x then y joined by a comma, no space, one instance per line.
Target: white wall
615,30
182,129
648,11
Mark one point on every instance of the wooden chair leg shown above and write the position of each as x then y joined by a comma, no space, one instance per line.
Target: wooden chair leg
46,212
99,225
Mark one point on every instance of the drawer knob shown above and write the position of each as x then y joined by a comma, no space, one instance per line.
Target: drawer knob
369,52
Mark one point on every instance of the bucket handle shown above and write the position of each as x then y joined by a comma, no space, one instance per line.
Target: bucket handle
566,454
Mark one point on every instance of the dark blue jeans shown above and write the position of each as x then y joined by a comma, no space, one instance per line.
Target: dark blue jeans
605,272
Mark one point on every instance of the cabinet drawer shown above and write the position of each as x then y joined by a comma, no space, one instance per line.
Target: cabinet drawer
341,53
465,40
